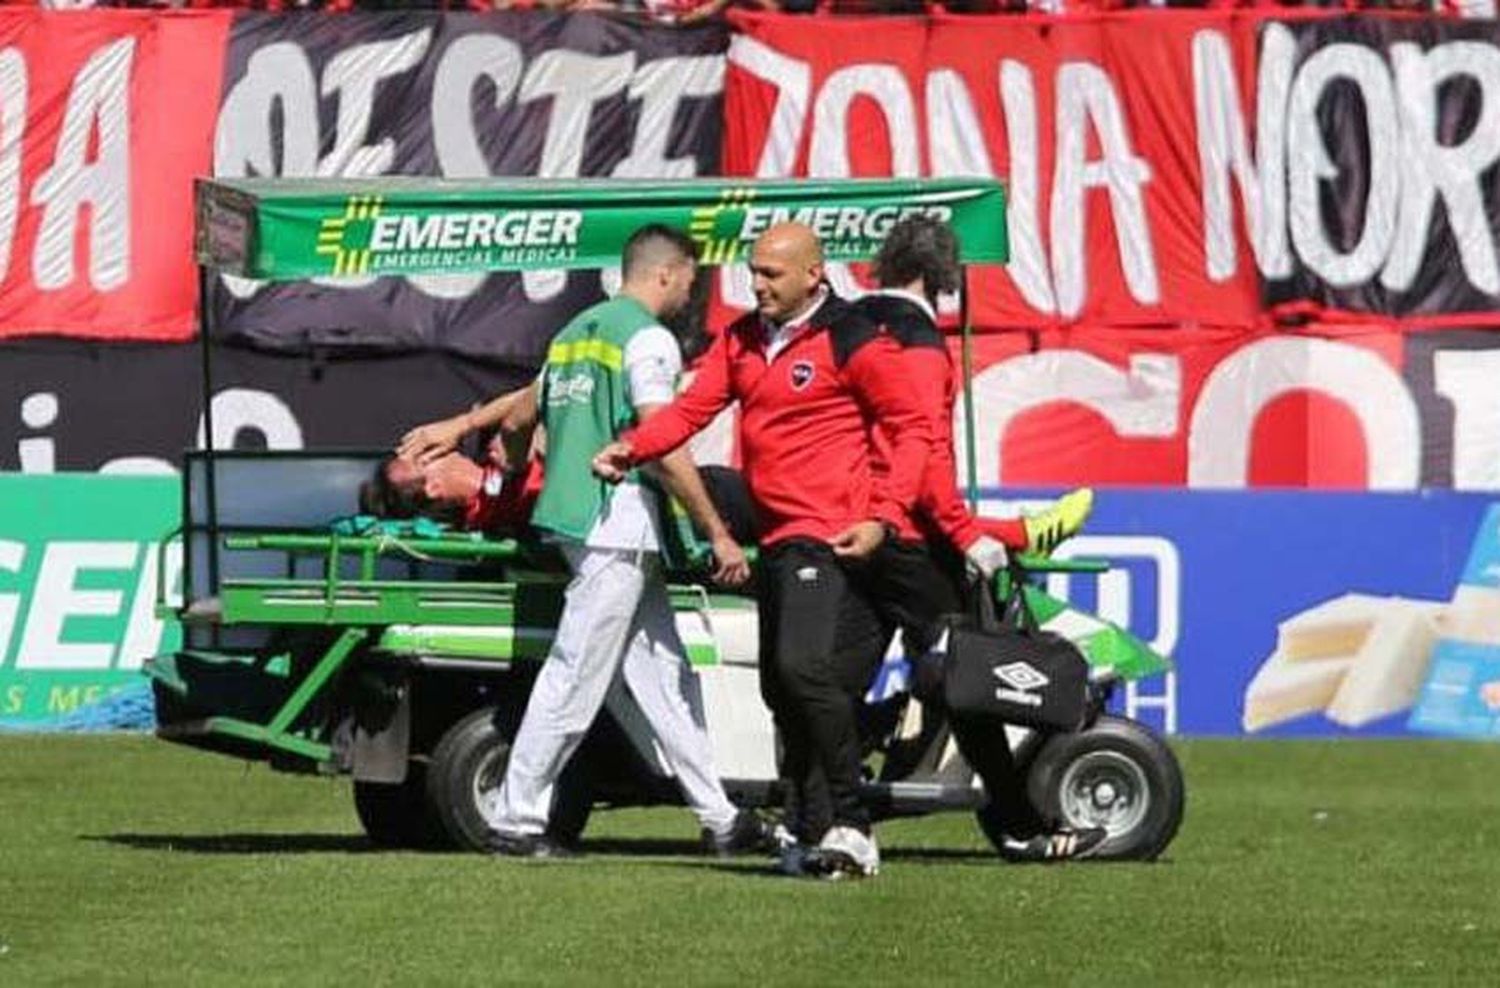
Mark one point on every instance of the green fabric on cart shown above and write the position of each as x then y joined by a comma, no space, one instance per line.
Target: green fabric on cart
419,528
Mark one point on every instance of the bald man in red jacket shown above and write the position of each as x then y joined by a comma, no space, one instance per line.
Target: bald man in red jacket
815,380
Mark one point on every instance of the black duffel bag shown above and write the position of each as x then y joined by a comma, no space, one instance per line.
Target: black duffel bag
1009,669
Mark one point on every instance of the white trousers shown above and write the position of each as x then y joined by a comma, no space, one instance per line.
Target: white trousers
616,643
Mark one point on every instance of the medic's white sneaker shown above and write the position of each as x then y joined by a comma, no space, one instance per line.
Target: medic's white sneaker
844,852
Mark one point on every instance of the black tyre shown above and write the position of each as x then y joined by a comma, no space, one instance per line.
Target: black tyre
400,816
1115,774
465,773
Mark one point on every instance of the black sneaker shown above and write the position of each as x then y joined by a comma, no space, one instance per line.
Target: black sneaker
1063,844
749,834
537,846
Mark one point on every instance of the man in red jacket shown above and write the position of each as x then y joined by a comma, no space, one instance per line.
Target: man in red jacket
917,573
814,380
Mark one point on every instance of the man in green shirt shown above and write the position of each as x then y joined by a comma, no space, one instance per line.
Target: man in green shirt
611,367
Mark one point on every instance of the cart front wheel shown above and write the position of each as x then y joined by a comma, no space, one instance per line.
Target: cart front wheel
463,781
400,816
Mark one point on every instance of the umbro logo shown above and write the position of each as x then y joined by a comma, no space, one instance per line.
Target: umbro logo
1021,676
802,374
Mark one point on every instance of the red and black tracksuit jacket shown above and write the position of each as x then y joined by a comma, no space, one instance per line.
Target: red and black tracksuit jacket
927,369
806,422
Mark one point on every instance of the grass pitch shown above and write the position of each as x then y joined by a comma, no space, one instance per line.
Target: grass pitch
124,860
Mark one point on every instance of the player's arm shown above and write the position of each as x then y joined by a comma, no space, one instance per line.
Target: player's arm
675,423
514,410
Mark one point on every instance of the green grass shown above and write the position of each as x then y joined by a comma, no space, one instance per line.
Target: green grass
124,860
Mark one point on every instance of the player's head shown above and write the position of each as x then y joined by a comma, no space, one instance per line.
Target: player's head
920,253
786,268
399,488
658,265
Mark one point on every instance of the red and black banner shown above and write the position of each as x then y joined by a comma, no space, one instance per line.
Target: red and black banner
1184,169
105,119
1247,251
456,95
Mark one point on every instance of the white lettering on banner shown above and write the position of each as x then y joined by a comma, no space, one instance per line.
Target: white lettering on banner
1146,401
1087,100
1141,402
467,60
138,466
1468,379
12,555
144,630
238,412
278,84
353,76
280,75
1086,96
792,80
1222,152
1430,169
1243,384
1409,167
1309,163
828,152
661,86
12,127
38,454
98,109
955,138
828,155
575,82
1029,265
455,231
240,409
56,598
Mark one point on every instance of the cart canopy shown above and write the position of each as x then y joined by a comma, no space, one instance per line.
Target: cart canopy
288,229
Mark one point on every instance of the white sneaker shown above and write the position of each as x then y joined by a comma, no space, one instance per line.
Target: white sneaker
844,853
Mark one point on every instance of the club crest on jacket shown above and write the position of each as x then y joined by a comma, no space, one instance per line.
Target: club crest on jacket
802,374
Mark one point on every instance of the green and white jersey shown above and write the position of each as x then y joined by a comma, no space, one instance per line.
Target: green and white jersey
609,360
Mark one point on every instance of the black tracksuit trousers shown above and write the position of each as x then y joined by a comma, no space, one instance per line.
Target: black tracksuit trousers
821,641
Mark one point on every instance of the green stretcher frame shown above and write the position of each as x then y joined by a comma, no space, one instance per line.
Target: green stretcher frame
392,618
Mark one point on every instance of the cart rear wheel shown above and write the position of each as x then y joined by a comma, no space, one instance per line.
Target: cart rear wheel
1116,774
400,816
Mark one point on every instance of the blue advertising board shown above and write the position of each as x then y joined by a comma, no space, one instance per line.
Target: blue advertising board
1209,576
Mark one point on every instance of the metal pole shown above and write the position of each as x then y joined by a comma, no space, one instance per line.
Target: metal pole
210,481
970,454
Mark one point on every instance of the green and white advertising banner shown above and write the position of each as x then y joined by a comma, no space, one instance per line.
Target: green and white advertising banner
284,229
79,570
